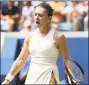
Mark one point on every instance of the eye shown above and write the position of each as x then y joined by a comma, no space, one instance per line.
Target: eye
40,15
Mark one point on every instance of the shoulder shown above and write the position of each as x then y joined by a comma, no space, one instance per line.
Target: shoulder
30,34
59,35
33,31
59,39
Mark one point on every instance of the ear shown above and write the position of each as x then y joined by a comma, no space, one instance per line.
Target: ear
49,19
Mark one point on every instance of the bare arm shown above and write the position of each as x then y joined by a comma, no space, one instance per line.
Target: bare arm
15,16
22,19
62,46
19,62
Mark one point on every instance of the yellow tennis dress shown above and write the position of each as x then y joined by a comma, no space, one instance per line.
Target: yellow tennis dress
43,68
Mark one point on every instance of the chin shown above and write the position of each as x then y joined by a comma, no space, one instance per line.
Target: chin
38,25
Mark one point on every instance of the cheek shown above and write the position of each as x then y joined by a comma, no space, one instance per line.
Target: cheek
34,17
45,20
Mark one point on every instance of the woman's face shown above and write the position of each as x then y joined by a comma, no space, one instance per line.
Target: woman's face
40,17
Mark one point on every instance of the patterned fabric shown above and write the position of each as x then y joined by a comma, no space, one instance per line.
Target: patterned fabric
53,80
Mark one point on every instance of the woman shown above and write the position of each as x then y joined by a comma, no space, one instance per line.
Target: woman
44,45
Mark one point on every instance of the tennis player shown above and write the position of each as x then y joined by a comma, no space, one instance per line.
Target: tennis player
44,45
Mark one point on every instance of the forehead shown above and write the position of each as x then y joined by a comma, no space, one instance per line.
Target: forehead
40,10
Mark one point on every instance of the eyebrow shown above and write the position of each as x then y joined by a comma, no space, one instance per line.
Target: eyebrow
38,14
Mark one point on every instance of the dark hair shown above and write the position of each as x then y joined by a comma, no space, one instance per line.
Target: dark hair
47,7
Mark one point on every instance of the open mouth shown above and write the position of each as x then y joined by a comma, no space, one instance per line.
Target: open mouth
37,22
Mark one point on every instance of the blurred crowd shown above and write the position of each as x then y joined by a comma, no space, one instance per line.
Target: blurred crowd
17,16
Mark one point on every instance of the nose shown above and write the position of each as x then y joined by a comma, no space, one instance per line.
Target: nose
36,17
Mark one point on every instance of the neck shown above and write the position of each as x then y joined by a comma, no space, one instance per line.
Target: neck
45,29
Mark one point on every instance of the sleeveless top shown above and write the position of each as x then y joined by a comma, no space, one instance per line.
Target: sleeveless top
44,55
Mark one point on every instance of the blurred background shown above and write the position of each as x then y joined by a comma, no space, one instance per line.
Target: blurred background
70,17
